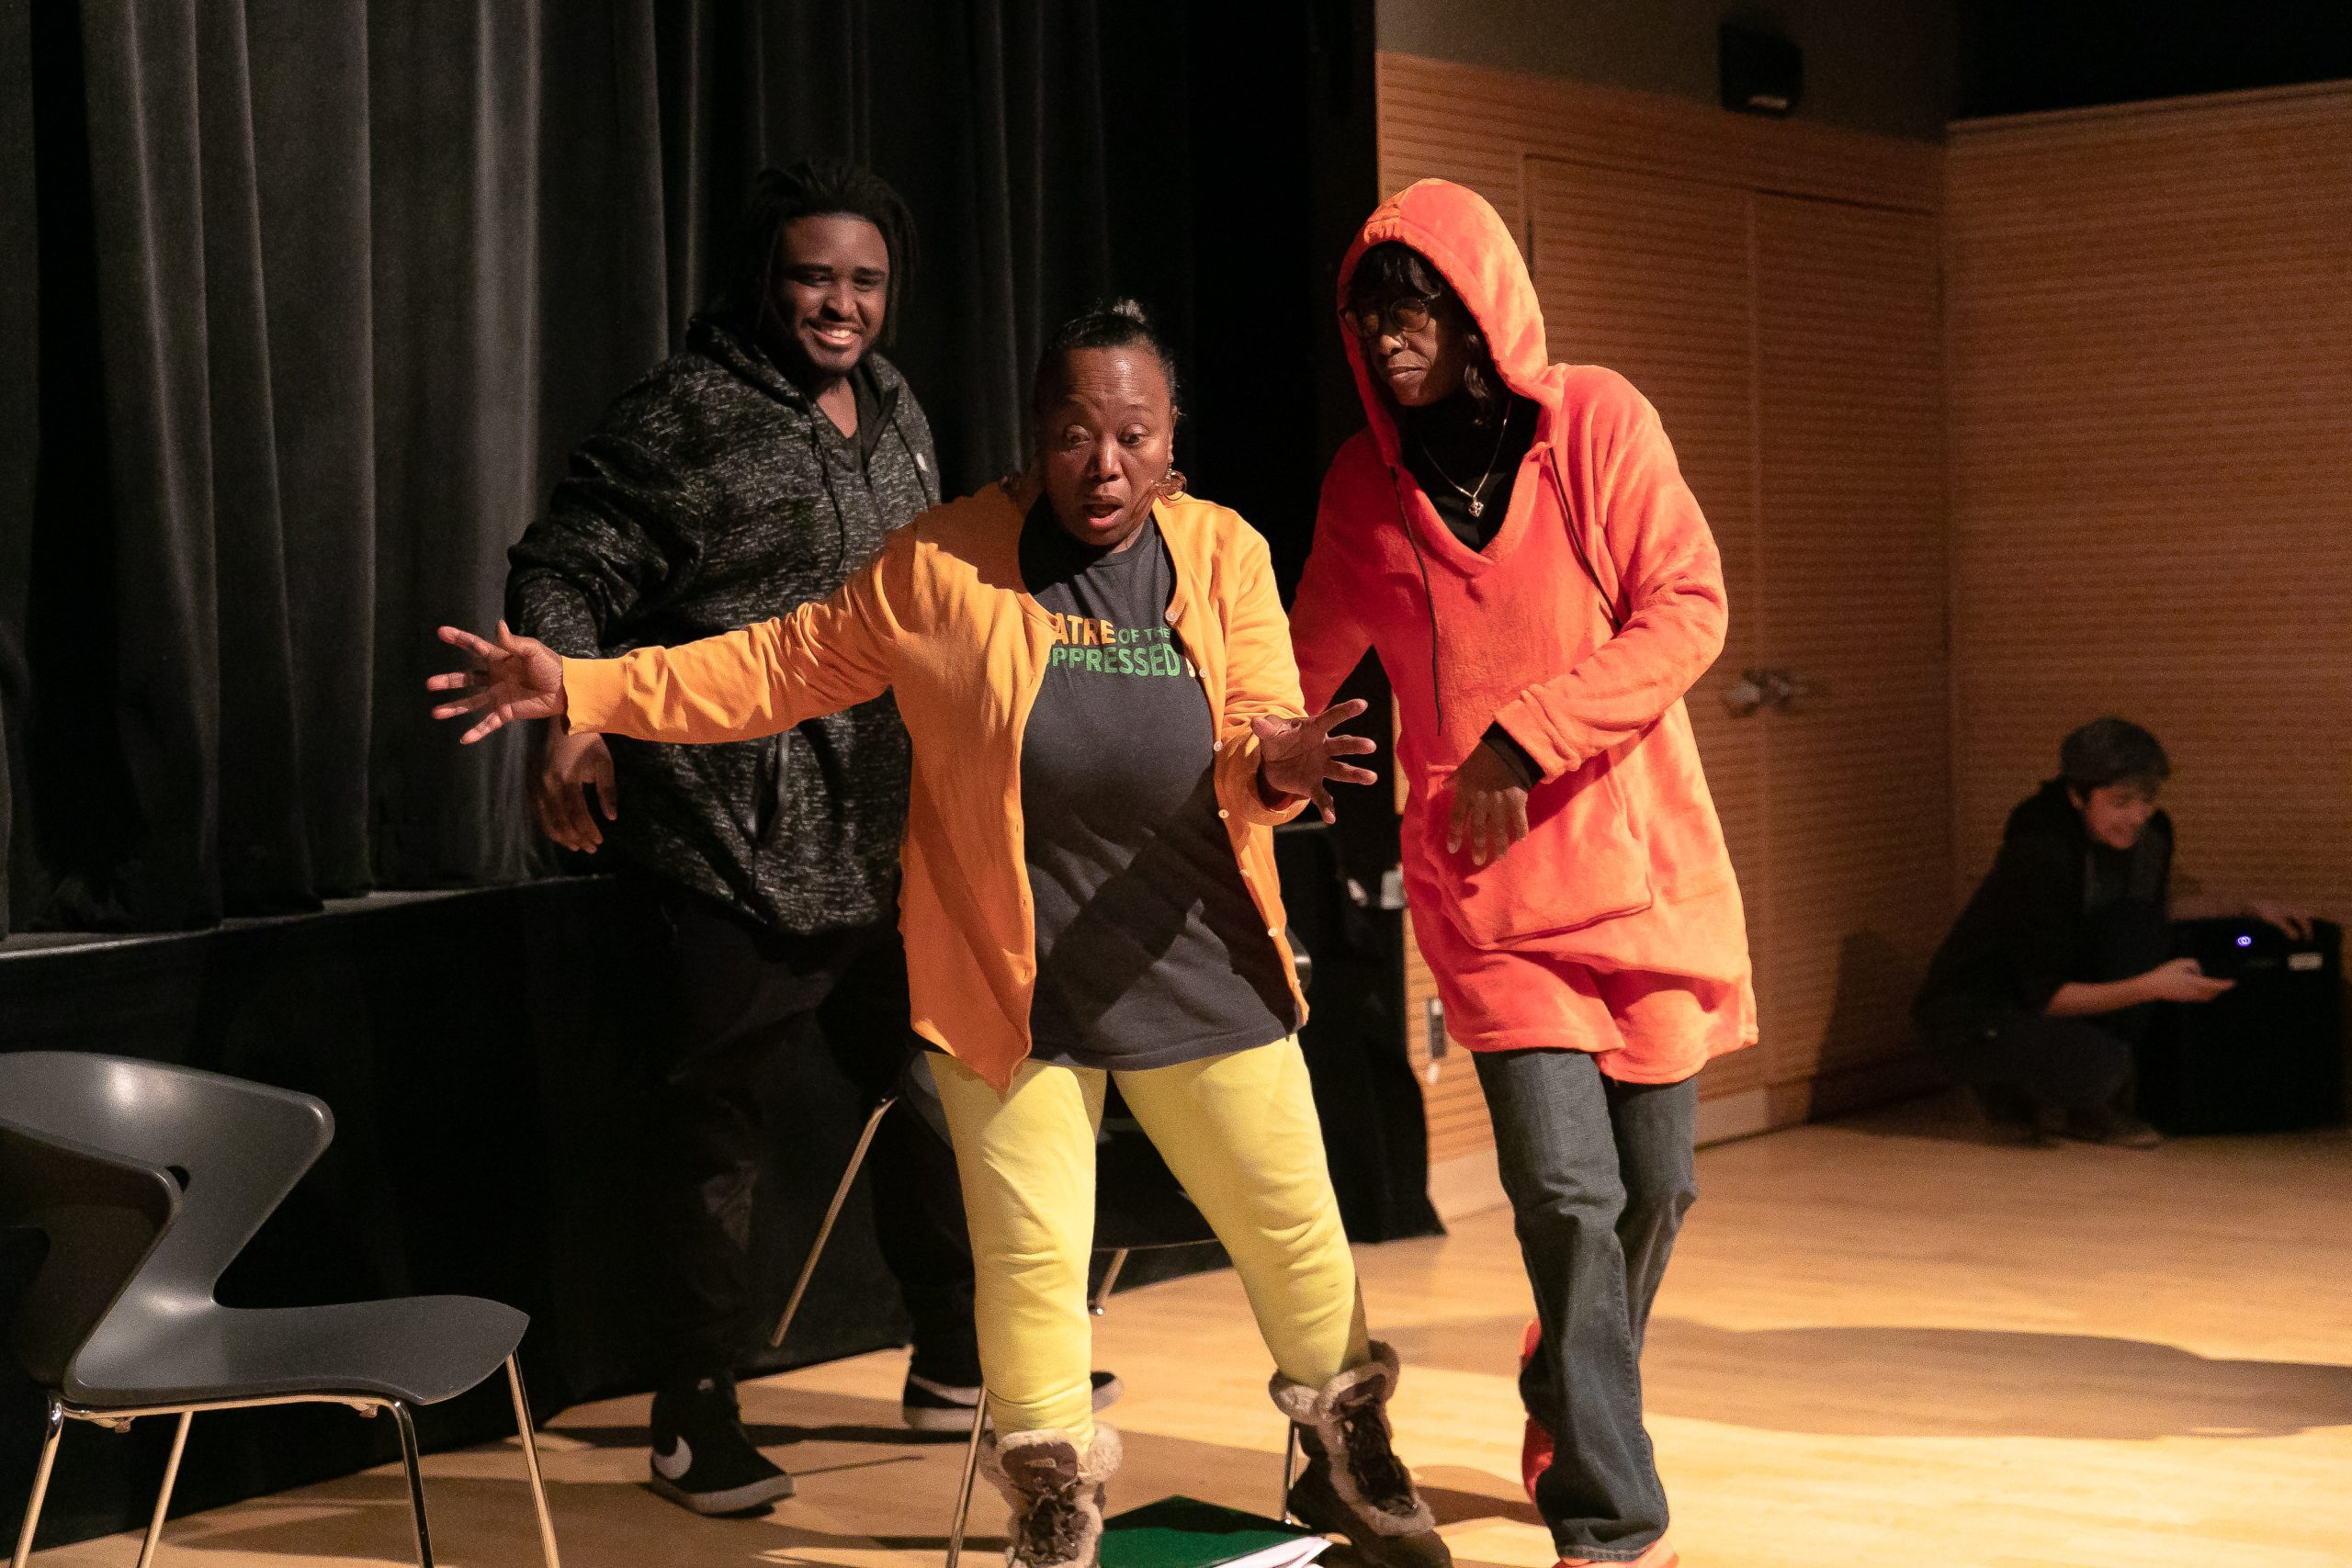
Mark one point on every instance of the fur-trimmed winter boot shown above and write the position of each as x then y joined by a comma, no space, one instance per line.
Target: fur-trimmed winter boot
1054,1492
1354,1483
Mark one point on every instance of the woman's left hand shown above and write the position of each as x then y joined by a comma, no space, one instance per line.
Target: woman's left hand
1488,803
1301,756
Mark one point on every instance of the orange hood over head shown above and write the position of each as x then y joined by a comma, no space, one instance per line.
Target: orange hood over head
1462,236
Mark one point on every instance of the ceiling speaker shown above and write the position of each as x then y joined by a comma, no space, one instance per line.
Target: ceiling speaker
1762,73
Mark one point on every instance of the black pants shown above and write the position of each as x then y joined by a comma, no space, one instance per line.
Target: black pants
2080,1065
735,996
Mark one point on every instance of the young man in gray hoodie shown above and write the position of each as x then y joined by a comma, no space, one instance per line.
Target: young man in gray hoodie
754,471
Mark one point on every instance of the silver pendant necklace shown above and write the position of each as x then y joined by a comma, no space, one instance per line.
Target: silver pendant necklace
1477,507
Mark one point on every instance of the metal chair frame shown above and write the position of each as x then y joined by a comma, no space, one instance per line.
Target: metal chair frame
178,1261
832,1215
368,1404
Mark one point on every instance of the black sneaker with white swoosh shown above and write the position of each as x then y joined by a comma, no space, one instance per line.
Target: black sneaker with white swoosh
703,1460
929,1407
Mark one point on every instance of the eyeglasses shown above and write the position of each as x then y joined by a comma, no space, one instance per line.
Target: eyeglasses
1410,314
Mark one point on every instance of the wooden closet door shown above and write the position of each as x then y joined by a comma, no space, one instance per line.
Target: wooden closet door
1650,276
1849,437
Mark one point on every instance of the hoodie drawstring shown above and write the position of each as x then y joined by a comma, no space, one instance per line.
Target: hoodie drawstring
841,522
1429,598
925,480
1576,543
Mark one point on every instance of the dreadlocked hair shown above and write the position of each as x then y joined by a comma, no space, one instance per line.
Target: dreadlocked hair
1392,271
812,188
1119,323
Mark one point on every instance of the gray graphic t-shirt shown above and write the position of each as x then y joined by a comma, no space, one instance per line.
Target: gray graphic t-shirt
1151,950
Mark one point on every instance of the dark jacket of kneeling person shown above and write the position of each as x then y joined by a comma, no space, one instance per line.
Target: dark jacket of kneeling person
2057,906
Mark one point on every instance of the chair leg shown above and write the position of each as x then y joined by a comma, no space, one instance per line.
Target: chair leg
56,1430
971,1479
832,1213
530,1460
163,1498
1110,1277
413,1460
1290,1470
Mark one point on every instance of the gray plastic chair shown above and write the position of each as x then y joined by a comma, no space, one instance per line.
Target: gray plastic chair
147,1182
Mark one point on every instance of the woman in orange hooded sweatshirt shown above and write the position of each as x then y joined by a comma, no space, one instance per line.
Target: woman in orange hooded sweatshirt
1515,540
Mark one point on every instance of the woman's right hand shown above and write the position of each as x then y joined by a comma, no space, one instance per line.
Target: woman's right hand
2182,981
1490,805
573,765
513,679
1301,756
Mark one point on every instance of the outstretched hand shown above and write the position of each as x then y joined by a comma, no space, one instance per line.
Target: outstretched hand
1301,756
513,679
2181,980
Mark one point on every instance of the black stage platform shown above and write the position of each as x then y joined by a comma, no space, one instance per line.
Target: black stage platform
479,1051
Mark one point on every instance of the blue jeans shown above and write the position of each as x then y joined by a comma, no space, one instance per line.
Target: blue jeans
1599,1175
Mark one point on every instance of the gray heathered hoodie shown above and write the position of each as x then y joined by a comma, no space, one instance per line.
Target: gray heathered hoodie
716,494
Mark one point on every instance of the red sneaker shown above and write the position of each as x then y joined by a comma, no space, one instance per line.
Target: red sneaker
1535,1444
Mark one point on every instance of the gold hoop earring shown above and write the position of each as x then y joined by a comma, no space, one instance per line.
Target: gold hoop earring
1172,482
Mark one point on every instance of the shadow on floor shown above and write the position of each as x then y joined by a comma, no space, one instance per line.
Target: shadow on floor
1952,1116
865,1485
1941,1115
775,1435
610,1524
1457,1494
366,1517
1903,1382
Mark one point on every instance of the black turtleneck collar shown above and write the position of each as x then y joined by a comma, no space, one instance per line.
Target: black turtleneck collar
1049,554
1450,451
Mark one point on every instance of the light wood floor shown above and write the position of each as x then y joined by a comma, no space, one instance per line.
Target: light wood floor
1881,1343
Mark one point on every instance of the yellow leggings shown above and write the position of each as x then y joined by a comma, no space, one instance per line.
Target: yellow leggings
1239,1133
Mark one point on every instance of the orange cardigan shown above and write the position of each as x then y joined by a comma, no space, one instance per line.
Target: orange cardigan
941,619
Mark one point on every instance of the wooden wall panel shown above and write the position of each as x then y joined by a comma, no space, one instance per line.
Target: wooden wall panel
1472,125
1451,1099
2151,356
1849,438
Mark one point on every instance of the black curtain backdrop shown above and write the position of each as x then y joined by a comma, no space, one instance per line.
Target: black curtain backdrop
303,303
307,300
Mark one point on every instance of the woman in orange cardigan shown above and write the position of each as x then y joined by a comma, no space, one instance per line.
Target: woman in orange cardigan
1514,539
1095,671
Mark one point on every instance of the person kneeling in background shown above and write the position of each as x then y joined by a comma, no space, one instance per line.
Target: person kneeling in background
2037,997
